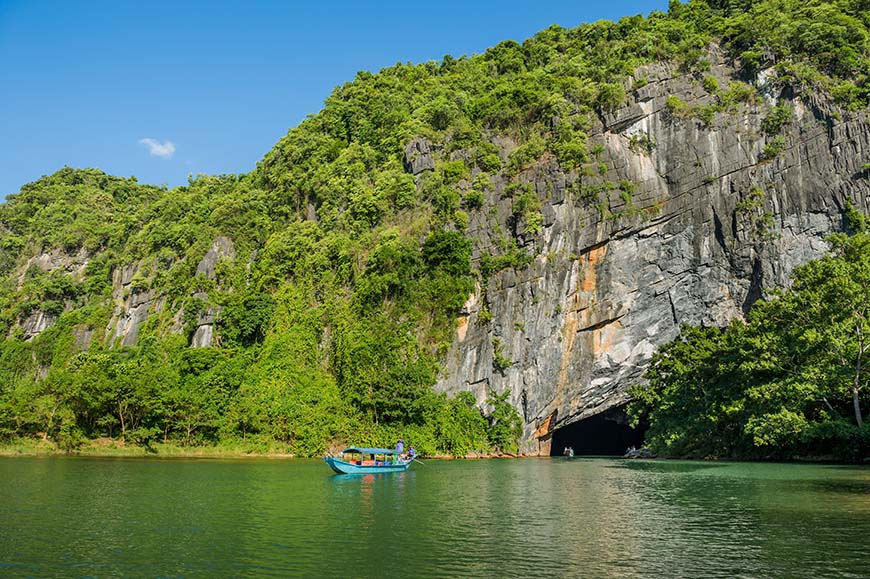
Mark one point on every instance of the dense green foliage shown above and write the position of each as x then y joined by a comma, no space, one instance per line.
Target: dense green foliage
791,381
348,272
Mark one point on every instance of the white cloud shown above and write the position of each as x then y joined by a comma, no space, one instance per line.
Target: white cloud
158,149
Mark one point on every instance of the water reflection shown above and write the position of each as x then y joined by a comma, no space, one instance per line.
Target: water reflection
510,518
666,466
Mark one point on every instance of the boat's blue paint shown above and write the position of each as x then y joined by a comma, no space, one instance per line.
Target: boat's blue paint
360,460
351,467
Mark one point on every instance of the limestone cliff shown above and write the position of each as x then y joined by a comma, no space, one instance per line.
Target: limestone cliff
133,304
685,220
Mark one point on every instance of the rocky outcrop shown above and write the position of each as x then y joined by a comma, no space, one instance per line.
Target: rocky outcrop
204,334
675,220
74,265
36,323
132,306
135,301
57,259
418,156
221,248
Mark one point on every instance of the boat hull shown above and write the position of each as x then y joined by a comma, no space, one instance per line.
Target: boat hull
345,467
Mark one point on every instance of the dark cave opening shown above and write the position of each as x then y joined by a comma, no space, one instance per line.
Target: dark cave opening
605,434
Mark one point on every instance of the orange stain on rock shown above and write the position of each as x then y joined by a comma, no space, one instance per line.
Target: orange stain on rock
569,332
461,327
578,313
588,262
544,428
602,338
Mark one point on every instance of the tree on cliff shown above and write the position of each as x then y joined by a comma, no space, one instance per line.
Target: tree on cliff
791,380
824,320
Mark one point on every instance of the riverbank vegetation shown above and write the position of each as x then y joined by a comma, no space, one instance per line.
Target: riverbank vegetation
333,311
791,381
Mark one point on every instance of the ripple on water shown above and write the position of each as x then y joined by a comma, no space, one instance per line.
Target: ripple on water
511,518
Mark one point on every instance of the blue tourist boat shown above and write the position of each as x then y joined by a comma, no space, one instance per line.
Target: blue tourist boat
354,460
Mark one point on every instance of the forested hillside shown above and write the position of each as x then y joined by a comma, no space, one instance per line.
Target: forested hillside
311,301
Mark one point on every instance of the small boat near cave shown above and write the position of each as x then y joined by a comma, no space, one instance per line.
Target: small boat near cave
356,460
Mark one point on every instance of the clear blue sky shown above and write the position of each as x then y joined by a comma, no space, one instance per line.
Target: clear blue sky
215,83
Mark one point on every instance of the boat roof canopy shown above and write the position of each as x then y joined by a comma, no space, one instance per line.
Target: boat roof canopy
358,450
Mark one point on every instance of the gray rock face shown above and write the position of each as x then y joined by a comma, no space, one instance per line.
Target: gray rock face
418,156
130,314
131,307
56,259
134,303
685,223
221,248
204,334
36,323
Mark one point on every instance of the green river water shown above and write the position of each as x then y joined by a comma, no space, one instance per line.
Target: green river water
101,518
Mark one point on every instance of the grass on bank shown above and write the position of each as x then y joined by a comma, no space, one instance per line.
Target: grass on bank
116,448
107,447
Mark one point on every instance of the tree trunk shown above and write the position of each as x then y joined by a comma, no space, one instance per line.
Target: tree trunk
123,426
50,423
856,380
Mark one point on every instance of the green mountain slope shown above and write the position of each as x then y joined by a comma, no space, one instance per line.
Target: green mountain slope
322,288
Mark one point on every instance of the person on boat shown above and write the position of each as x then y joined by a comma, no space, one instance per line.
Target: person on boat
400,447
411,453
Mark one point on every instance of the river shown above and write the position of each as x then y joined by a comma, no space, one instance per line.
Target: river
548,517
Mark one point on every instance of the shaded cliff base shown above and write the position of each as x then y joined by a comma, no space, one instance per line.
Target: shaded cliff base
604,434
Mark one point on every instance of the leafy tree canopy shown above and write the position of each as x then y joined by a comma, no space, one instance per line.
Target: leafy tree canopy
792,380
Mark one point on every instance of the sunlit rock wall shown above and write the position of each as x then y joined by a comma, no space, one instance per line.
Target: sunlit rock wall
691,242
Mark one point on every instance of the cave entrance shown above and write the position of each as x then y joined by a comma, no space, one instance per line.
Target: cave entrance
605,434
